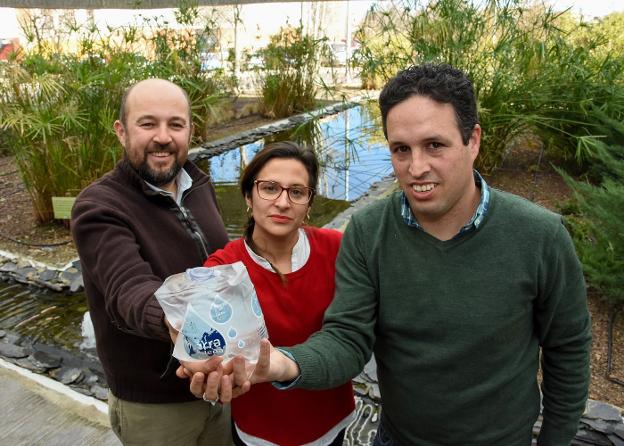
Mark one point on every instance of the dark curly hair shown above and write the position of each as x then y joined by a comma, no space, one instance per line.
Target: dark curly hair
439,82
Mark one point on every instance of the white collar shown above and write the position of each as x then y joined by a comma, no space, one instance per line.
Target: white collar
183,181
300,253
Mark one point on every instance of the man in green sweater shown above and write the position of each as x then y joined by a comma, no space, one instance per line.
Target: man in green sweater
455,287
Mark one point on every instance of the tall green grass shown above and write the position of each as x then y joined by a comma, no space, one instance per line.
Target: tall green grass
290,71
531,75
59,99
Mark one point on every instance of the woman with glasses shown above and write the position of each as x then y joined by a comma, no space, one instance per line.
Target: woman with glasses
292,267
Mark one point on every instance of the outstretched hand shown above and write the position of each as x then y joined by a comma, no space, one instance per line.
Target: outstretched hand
214,381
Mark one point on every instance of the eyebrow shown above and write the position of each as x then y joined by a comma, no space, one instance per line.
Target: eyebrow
152,117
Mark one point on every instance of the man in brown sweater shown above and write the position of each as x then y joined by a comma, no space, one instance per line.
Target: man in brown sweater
153,215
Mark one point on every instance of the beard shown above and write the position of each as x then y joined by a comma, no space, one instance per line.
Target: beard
161,178
157,178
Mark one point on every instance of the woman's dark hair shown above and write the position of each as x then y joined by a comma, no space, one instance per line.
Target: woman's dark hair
276,150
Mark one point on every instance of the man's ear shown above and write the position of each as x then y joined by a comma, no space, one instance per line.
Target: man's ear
474,143
120,131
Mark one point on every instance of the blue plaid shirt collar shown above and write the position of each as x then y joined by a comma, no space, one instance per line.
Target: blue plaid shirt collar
475,221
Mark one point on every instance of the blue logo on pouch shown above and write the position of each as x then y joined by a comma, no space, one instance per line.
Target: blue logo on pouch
201,341
210,344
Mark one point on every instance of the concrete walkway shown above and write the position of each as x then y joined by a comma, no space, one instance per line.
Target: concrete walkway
37,410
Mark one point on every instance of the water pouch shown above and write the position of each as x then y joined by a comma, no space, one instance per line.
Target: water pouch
216,312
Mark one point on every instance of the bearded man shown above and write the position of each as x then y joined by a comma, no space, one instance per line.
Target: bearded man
153,215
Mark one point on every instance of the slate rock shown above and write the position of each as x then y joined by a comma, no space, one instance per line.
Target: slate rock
25,271
2,334
92,379
374,392
8,267
616,440
76,284
599,425
48,275
45,360
99,392
591,437
13,351
70,274
619,430
68,375
26,364
598,410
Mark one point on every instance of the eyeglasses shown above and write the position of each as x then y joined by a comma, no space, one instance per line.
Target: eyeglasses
270,190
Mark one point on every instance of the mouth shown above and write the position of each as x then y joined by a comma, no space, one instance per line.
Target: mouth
160,154
423,187
280,218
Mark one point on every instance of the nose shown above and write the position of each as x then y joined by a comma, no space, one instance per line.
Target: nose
419,163
162,135
282,200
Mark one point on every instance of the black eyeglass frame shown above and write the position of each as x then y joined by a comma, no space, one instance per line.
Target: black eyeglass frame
310,191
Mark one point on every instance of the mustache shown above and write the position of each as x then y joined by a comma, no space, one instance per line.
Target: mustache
156,147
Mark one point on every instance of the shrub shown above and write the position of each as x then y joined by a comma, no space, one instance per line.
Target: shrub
529,74
597,225
291,64
58,104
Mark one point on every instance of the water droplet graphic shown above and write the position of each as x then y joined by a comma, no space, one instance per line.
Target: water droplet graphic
255,306
221,311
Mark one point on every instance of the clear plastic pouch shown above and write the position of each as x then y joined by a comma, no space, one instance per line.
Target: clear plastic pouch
216,312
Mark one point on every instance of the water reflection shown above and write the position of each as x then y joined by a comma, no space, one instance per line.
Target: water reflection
44,316
350,148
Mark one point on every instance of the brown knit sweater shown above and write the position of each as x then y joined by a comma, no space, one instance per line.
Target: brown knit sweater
129,239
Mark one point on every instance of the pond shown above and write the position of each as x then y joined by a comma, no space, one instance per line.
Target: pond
352,155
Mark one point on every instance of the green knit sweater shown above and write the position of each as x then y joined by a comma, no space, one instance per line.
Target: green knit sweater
456,326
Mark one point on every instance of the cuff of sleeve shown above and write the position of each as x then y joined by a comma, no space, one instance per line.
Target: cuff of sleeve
285,385
155,320
551,435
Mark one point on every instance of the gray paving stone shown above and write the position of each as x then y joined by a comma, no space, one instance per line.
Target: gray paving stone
603,411
12,351
44,360
68,375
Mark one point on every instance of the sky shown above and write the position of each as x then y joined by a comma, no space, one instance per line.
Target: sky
587,8
590,8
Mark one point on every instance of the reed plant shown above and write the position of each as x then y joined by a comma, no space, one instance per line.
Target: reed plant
289,80
59,100
530,75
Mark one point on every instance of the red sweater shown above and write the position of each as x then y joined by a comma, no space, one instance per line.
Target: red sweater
292,312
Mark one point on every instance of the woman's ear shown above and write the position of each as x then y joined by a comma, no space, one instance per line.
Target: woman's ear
248,201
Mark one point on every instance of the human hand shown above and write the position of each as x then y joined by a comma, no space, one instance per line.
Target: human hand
238,375
188,368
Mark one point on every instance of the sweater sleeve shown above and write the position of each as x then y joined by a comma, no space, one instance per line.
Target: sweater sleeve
339,351
564,330
231,253
110,256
